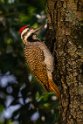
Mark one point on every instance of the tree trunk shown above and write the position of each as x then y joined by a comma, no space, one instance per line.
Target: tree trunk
65,18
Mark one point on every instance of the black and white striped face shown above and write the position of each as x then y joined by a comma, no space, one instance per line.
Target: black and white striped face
26,33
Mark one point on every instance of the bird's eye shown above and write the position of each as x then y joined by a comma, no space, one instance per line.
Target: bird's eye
28,29
25,33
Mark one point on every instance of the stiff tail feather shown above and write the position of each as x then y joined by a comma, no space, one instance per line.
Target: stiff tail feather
53,87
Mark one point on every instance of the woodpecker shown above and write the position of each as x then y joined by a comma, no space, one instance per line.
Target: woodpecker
39,59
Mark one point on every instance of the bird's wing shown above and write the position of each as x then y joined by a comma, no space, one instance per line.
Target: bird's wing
35,59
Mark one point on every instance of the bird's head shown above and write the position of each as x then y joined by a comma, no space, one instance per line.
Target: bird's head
27,32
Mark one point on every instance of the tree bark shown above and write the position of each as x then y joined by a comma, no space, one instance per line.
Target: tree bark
65,18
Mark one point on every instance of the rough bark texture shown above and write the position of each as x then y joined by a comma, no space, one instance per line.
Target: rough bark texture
65,17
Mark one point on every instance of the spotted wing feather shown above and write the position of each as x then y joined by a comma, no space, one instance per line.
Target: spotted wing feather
35,59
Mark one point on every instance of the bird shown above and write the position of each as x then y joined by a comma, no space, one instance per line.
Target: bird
39,59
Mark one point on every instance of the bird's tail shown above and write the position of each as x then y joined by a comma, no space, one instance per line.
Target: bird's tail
53,87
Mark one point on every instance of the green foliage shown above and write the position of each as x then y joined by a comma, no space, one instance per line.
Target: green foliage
20,97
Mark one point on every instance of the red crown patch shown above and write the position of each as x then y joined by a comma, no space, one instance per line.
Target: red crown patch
22,28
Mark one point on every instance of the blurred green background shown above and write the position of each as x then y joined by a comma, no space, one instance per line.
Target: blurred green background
22,100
